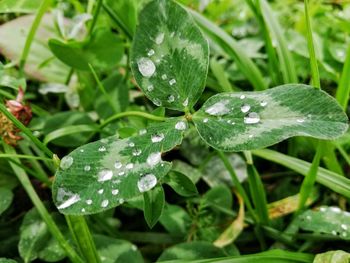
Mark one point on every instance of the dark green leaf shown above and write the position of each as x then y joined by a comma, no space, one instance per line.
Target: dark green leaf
175,220
153,204
219,198
181,184
245,120
102,51
103,174
169,56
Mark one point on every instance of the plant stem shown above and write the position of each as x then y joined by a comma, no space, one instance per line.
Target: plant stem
83,239
24,180
132,113
26,131
23,156
238,185
40,13
96,13
310,43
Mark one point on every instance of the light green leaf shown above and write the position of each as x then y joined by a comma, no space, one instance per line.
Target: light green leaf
102,51
6,260
153,204
19,6
113,250
41,63
181,184
191,251
103,174
6,197
245,120
326,220
33,236
337,256
169,56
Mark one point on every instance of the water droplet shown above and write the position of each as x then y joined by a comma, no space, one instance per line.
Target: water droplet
146,182
104,140
104,203
100,191
102,149
308,217
245,108
181,125
121,173
83,210
172,34
242,97
136,152
82,150
157,102
263,103
129,166
115,191
134,248
150,52
300,120
118,165
252,118
150,88
142,132
157,137
70,201
250,136
172,82
87,168
218,109
164,77
146,67
159,39
89,201
335,209
105,175
66,162
334,233
185,103
131,144
344,234
121,201
323,209
343,226
171,98
153,159
205,120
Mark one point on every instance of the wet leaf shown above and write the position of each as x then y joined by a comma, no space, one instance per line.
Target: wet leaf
169,56
337,256
249,120
6,197
153,204
104,174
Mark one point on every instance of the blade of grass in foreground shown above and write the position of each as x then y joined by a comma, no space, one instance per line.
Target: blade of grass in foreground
343,90
329,179
285,57
230,46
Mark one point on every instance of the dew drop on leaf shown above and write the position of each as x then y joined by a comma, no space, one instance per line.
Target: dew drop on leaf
146,182
89,201
263,103
129,166
172,82
205,120
102,149
118,165
218,109
242,97
159,39
105,175
245,108
136,152
157,137
66,162
252,118
181,125
142,132
153,159
164,77
87,168
70,201
104,203
171,98
100,191
300,120
146,67
150,52
185,103
150,88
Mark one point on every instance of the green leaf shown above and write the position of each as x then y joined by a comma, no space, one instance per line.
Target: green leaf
103,51
6,197
19,6
104,174
181,184
175,220
6,260
41,64
219,198
113,250
191,251
245,120
169,56
337,256
33,236
153,204
327,220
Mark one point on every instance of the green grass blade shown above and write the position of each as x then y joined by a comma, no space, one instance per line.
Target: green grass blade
343,90
310,43
230,46
329,179
287,64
